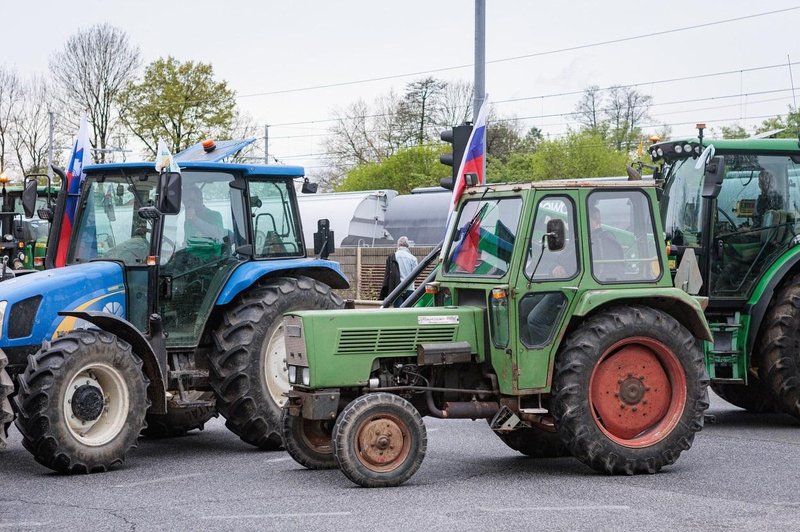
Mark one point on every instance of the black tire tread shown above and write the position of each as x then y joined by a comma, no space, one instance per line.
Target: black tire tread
535,443
780,348
574,365
6,390
40,435
342,434
307,457
754,397
234,362
178,422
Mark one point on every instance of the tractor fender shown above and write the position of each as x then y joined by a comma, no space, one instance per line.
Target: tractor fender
762,296
677,303
124,329
249,273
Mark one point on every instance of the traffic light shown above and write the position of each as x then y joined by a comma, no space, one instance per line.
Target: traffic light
458,137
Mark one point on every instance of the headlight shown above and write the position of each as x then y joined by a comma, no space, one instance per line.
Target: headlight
292,374
306,376
2,316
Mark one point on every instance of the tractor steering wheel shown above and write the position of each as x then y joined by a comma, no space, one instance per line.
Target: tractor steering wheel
728,218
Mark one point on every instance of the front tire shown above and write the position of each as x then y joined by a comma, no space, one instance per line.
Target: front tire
82,402
6,389
780,365
309,441
248,365
379,440
630,390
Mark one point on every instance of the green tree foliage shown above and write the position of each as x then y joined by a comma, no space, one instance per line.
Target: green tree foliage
790,124
409,168
577,155
179,102
734,132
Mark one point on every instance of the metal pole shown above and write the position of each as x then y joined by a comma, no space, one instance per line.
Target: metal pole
51,148
791,77
480,57
266,144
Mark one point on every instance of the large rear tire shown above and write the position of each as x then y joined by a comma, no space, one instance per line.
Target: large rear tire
379,440
630,390
82,402
248,364
6,389
780,365
180,421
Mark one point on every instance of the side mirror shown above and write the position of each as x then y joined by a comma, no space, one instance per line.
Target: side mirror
29,195
555,234
323,239
712,177
169,193
309,187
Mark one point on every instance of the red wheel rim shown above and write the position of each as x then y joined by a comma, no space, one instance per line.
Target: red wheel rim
637,392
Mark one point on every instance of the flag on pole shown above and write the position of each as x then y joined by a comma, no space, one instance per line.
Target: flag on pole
164,159
474,157
80,157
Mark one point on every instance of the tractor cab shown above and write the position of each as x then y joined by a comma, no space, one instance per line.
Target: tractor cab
745,223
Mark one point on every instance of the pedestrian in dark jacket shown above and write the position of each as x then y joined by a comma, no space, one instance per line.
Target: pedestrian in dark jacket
391,276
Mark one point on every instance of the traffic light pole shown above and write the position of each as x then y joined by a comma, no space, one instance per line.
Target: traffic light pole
480,57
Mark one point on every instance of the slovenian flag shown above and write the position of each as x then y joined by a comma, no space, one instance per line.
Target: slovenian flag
80,157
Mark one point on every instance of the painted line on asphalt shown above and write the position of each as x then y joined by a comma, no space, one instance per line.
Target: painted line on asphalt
273,460
556,508
157,480
24,524
263,516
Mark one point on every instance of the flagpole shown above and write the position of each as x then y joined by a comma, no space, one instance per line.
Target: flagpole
480,58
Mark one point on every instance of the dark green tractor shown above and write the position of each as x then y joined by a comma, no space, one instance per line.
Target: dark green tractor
738,214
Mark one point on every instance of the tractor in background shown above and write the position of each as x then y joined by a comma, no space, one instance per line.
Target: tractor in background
736,211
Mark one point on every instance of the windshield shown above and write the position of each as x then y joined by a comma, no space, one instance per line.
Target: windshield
484,240
682,197
109,225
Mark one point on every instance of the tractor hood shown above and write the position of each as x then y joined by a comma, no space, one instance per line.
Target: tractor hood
31,303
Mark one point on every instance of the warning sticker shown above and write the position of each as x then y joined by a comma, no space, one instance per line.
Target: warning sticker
437,320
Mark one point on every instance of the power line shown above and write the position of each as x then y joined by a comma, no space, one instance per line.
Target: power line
526,56
572,93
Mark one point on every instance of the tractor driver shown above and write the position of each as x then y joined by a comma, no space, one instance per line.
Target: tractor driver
768,198
200,220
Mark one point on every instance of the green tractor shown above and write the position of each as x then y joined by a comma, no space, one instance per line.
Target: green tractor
738,213
23,235
552,315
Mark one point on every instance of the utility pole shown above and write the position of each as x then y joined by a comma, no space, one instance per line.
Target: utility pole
266,144
480,57
51,147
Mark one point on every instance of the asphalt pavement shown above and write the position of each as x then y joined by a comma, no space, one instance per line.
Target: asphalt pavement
743,473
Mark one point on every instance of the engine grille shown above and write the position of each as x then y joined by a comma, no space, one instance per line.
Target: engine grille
391,340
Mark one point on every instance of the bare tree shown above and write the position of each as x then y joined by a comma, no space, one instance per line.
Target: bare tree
419,108
589,111
90,71
31,127
455,104
11,92
626,110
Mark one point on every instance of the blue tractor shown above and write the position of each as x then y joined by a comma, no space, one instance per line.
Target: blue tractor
168,311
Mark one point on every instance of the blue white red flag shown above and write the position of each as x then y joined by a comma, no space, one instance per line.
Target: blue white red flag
80,157
474,156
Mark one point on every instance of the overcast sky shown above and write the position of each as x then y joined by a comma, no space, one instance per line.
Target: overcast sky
269,46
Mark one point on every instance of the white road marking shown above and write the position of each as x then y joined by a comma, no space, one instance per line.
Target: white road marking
555,508
23,524
263,516
272,461
157,480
